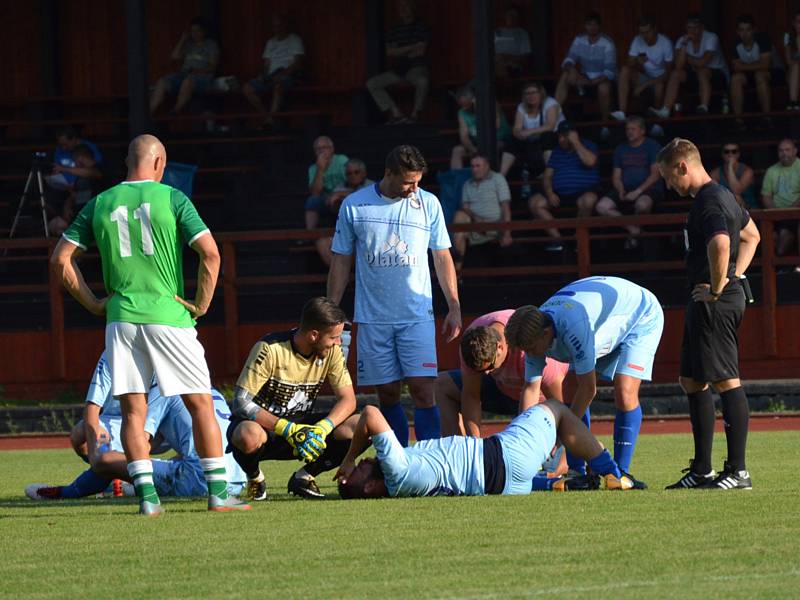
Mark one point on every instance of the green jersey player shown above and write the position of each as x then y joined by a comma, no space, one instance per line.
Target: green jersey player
139,227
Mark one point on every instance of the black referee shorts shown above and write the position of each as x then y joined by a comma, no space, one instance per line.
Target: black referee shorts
710,349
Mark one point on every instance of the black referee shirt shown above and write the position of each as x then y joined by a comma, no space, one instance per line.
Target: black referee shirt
714,210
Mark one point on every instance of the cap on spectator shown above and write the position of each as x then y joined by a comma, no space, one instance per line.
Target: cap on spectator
564,127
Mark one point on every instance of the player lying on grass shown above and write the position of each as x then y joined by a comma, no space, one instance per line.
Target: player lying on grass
96,439
273,405
501,464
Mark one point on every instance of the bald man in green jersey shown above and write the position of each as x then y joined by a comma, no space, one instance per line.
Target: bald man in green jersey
139,227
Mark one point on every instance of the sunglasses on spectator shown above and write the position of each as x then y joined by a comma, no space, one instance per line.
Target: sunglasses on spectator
730,151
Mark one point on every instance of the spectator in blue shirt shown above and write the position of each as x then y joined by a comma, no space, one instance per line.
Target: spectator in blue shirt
571,179
636,179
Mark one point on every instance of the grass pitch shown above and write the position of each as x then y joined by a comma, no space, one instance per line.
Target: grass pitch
652,544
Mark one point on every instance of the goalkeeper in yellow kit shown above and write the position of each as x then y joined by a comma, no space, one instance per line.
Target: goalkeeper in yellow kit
273,415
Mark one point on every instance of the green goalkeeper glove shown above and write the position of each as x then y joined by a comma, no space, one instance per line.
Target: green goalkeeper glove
297,436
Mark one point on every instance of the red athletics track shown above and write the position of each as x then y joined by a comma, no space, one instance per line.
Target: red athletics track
770,422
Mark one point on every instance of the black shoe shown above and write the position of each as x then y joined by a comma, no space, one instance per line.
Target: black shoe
255,490
692,480
304,488
730,479
579,483
637,484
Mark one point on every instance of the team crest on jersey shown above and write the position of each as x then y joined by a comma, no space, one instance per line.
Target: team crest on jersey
392,253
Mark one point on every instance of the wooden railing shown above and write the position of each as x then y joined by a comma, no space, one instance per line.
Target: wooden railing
230,282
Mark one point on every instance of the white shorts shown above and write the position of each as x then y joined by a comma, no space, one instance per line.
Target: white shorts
390,352
136,352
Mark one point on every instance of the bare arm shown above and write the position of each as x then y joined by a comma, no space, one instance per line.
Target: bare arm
463,135
702,61
446,274
178,50
616,181
471,402
718,250
530,395
767,201
654,176
371,422
345,405
207,273
680,58
749,238
63,266
585,393
739,185
339,276
318,182
92,428
547,181
587,157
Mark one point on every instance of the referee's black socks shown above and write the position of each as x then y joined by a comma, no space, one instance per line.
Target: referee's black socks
702,415
736,414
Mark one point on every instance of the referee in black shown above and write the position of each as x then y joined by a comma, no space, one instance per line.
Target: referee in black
721,240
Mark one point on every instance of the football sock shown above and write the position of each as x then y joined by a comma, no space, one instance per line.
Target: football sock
216,477
396,417
603,464
626,431
578,464
543,483
85,484
141,471
248,462
702,415
736,414
303,474
426,423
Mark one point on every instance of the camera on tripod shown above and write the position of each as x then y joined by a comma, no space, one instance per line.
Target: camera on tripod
39,160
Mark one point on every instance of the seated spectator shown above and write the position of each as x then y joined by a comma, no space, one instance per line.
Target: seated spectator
535,123
650,60
781,189
512,46
355,178
406,50
283,61
484,198
736,176
468,133
324,176
87,176
72,171
636,178
571,179
791,49
751,62
591,64
698,57
200,56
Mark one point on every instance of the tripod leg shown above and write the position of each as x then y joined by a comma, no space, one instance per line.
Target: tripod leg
25,192
42,203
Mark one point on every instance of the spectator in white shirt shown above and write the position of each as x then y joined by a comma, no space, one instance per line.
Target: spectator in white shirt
512,46
591,64
283,62
791,47
649,63
698,57
750,62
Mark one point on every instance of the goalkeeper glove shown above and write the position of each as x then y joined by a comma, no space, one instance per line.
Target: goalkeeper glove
296,435
315,439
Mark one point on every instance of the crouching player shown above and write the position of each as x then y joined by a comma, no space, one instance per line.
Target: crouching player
273,407
96,439
491,377
501,464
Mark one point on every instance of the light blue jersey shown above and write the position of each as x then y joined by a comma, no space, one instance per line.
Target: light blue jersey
391,238
99,392
451,466
174,423
604,323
